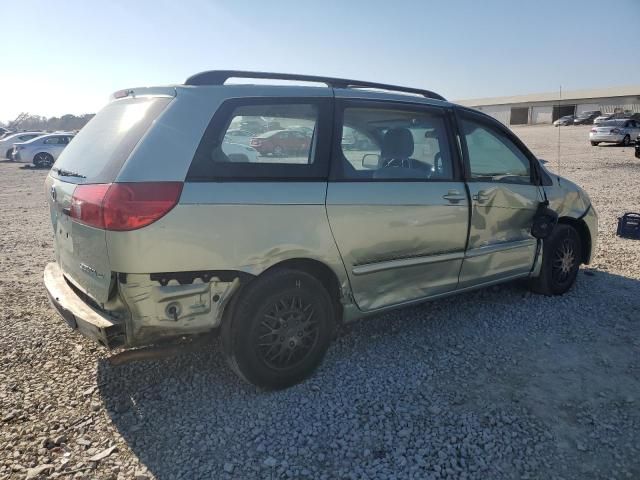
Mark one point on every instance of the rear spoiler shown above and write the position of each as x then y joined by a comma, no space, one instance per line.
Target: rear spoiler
144,92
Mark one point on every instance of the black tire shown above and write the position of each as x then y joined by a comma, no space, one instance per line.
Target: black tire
278,151
626,141
8,154
43,160
561,258
595,144
279,330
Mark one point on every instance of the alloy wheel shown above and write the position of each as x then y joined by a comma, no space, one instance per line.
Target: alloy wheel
287,333
564,261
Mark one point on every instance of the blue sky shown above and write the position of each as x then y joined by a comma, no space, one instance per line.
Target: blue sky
67,57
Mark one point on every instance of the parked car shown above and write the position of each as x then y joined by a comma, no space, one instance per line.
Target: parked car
637,147
281,142
242,137
299,128
587,118
42,151
4,131
620,131
169,238
602,118
564,121
236,152
6,143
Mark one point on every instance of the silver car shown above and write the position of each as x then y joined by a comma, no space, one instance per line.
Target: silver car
622,131
159,234
42,151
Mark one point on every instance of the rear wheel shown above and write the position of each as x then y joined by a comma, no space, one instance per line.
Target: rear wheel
280,329
626,141
43,160
560,262
595,144
8,154
278,151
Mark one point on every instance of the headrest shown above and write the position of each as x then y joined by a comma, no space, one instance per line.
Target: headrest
397,143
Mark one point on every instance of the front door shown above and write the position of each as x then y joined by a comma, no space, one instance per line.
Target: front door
396,201
504,200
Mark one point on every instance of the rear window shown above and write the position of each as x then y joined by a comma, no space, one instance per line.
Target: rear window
613,123
100,149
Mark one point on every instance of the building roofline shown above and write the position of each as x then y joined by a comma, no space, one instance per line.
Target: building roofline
624,91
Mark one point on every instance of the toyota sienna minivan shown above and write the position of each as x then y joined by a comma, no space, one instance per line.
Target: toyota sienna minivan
160,234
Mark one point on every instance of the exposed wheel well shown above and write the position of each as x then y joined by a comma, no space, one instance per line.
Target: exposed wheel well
585,236
320,271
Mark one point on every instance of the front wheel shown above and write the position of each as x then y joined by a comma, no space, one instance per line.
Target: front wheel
626,141
43,160
280,329
595,144
560,262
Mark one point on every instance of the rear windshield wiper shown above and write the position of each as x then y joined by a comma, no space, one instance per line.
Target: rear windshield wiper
67,173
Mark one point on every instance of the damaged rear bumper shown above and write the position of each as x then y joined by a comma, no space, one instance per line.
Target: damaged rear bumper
91,323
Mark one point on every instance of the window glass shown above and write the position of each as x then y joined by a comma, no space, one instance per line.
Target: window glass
52,140
281,134
389,143
493,157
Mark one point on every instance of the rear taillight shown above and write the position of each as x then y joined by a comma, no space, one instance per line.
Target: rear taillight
123,206
255,141
594,130
86,204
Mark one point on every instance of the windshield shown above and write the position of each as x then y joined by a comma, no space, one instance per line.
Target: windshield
100,149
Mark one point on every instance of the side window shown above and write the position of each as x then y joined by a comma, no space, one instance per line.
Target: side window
493,156
388,143
267,139
52,140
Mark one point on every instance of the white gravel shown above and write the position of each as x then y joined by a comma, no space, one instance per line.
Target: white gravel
493,384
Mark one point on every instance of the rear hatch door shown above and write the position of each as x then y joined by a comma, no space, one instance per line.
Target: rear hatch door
95,156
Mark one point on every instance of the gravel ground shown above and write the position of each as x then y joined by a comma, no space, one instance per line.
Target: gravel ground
493,384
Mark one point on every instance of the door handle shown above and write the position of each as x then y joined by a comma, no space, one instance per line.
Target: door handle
454,196
481,196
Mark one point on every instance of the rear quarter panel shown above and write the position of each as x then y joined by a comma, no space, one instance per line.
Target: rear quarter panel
232,226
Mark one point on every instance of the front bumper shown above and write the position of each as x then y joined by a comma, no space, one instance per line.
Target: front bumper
606,138
91,323
591,219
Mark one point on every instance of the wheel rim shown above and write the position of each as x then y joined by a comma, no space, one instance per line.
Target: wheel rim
564,261
41,160
278,150
627,140
288,332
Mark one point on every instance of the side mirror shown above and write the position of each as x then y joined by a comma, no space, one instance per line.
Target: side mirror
370,161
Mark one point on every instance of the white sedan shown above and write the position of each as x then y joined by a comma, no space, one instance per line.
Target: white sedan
622,131
6,144
41,151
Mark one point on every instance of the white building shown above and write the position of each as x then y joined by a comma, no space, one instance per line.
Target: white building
547,107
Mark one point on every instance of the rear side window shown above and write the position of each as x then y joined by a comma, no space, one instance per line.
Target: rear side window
271,135
265,139
53,140
100,149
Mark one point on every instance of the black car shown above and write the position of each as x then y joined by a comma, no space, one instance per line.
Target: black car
638,147
586,118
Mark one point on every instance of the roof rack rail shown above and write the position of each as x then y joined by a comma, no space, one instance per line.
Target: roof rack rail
219,77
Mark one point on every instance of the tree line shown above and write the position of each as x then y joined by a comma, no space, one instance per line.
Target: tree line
27,121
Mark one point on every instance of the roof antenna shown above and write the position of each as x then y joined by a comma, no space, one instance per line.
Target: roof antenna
559,127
